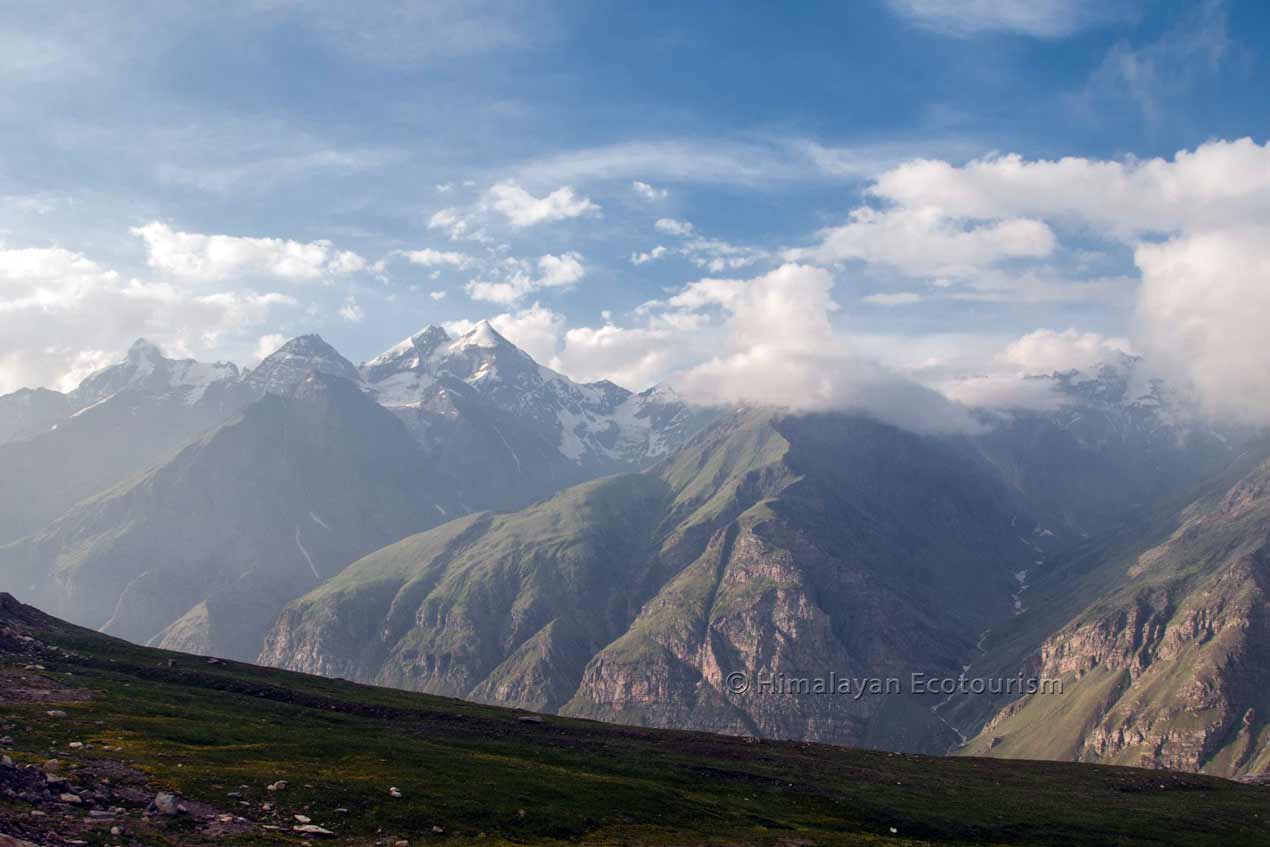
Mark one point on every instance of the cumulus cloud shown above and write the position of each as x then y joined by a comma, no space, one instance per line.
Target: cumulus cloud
63,314
1201,316
922,241
1220,183
521,278
779,349
195,255
1194,222
523,209
643,258
1046,351
671,226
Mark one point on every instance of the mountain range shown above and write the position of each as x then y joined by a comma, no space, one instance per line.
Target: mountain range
240,491
453,518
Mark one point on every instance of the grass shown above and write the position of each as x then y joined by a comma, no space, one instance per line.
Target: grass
486,777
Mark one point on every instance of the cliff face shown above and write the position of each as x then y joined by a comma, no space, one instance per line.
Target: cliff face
770,548
1171,669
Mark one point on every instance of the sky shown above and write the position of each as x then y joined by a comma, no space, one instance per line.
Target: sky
817,204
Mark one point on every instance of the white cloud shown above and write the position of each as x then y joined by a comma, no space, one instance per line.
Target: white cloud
635,358
552,271
1196,223
523,209
192,255
924,242
899,298
711,254
1220,183
781,350
1202,316
1046,351
62,314
1036,18
266,345
437,295
648,255
649,192
459,226
430,258
671,226
351,310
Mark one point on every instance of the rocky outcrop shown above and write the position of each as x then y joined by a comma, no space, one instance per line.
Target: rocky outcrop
1172,669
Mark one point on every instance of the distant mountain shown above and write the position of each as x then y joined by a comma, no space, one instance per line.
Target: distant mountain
1115,443
800,545
201,552
295,469
1168,663
67,447
522,430
31,410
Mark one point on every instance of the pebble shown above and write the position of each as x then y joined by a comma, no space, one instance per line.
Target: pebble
280,785
311,829
394,792
303,818
55,713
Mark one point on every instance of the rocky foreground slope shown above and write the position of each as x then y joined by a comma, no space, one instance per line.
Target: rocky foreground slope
108,743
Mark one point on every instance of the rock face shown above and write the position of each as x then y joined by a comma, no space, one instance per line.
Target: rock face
770,545
1171,668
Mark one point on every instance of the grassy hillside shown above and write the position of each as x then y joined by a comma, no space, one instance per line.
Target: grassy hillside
153,721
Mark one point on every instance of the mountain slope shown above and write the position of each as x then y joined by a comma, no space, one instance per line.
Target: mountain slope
202,551
1170,665
154,721
116,423
771,543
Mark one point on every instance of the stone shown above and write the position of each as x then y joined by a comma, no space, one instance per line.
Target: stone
67,797
166,803
55,713
394,792
280,785
311,829
302,818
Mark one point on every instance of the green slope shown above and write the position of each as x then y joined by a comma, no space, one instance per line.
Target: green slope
484,775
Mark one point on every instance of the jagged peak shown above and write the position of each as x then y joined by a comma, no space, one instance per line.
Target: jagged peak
481,335
142,348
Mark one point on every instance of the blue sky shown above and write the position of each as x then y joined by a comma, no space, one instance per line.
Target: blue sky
217,178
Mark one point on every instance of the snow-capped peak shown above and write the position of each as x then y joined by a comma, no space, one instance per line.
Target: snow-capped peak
145,368
481,335
287,367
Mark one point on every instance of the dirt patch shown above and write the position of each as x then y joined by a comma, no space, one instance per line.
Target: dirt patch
35,688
